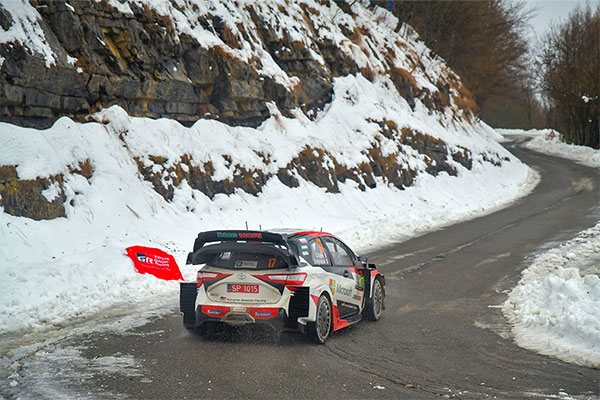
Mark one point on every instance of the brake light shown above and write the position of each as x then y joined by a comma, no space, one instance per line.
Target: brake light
209,276
288,279
296,279
277,278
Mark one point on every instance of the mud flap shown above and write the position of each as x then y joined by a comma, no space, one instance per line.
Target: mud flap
187,297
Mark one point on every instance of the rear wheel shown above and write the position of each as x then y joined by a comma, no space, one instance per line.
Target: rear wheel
374,305
320,329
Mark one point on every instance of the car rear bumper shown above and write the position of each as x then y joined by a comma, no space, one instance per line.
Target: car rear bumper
275,318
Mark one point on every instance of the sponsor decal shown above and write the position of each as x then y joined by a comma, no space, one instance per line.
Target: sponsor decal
240,235
322,250
360,282
357,297
332,286
303,240
225,235
214,312
305,253
304,247
153,261
242,300
250,235
263,314
344,290
246,264
320,245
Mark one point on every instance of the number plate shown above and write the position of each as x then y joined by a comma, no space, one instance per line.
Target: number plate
241,288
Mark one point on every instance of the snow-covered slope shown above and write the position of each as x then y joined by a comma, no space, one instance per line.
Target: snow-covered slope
374,165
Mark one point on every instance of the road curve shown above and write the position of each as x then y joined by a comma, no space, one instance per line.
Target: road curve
441,335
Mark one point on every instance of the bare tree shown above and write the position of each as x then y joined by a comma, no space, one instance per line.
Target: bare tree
483,41
570,76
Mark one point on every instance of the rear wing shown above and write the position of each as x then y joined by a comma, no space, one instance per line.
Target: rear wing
236,236
240,236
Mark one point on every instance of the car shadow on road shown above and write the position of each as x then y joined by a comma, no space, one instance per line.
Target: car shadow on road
253,334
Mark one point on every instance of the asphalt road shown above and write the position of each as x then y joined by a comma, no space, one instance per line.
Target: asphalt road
441,334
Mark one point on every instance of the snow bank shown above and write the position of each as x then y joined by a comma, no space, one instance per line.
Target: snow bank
58,269
555,308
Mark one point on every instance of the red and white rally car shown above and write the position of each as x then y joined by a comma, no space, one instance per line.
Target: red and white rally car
285,279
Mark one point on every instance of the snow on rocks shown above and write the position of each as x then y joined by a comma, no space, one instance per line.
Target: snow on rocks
25,29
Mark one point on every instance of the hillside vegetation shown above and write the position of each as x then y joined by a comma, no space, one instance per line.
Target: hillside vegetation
486,43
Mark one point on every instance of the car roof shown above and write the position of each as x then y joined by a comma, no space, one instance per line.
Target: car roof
312,233
298,232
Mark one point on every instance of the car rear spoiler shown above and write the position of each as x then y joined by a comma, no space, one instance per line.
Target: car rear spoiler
207,253
240,236
236,236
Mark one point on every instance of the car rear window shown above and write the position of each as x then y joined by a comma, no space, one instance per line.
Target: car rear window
243,260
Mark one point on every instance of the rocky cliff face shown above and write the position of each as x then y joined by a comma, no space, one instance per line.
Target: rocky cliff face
238,62
185,61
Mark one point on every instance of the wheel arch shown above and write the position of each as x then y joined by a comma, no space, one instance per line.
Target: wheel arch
318,292
375,274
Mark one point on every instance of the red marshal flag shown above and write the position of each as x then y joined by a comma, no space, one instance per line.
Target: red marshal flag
147,260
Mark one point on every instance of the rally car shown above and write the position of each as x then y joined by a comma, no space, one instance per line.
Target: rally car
301,280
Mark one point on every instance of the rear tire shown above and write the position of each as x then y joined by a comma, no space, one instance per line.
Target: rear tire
374,304
320,329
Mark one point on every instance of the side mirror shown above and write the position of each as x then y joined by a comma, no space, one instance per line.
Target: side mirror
189,258
364,260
